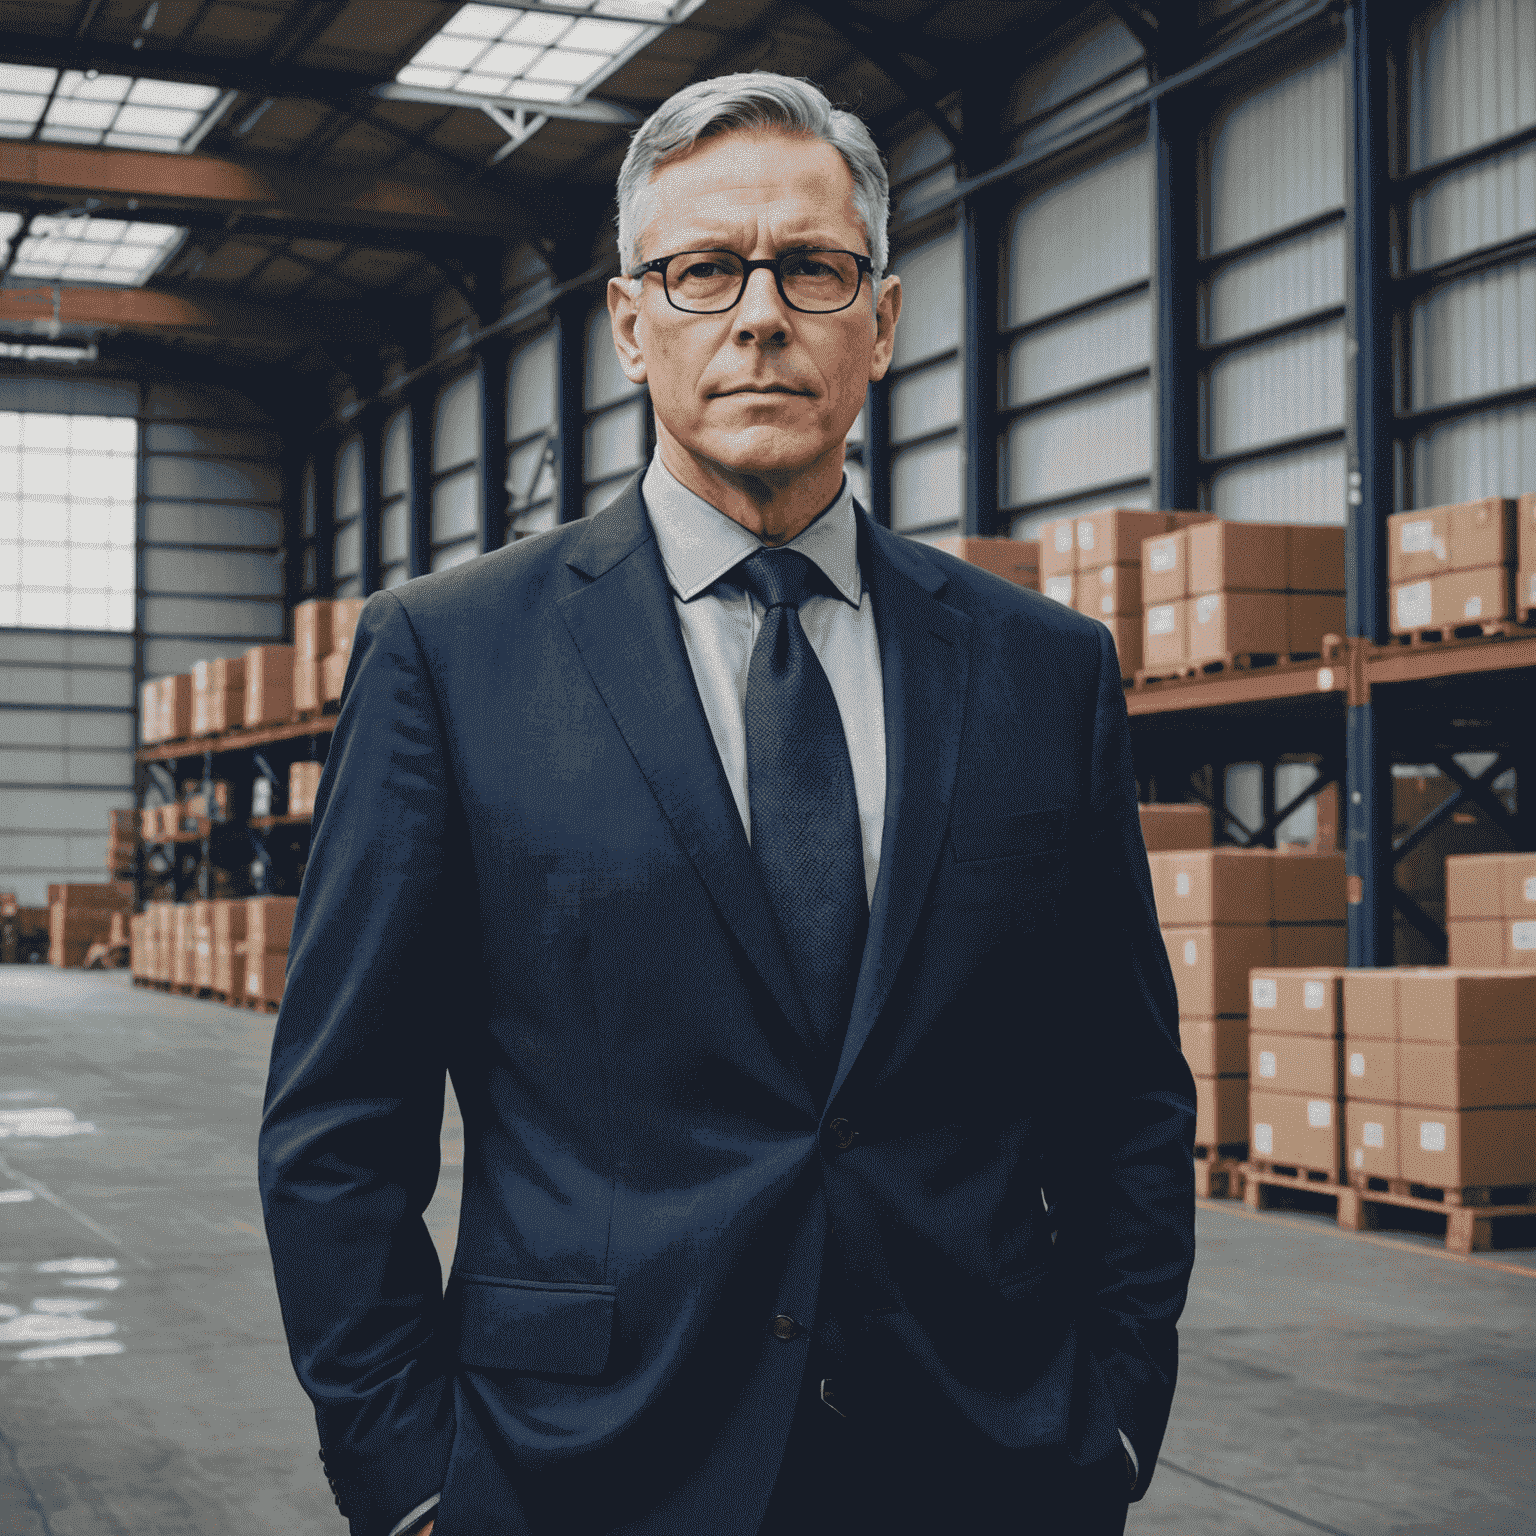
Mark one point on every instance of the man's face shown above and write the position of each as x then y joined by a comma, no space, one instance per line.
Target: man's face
761,390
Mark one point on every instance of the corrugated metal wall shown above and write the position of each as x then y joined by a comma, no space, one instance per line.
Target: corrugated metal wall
347,566
617,417
395,519
531,434
456,473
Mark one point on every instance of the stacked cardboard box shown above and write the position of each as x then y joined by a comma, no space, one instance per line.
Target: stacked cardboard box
1454,565
1016,560
1169,828
183,945
345,612
268,928
166,709
122,840
228,933
1224,913
268,684
1220,589
1491,909
1296,1097
1440,1076
311,645
218,695
79,916
1093,564
303,782
1525,542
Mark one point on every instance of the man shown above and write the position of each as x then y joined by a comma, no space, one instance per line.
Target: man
772,887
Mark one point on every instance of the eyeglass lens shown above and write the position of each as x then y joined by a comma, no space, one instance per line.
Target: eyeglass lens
815,281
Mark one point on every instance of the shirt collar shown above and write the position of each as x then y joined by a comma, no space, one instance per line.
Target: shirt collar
699,543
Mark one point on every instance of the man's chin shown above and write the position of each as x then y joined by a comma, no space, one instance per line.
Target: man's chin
768,454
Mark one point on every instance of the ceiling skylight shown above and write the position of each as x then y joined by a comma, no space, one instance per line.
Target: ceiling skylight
534,53
116,111
109,252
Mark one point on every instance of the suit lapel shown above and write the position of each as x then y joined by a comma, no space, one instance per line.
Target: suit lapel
624,625
925,660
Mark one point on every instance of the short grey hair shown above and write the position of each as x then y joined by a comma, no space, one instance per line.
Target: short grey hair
756,100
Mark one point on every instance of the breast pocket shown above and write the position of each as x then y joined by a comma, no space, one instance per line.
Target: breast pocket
1027,834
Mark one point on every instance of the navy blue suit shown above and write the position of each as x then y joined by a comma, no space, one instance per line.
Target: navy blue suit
528,872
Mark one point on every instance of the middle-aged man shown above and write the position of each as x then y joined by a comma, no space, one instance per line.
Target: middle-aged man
773,890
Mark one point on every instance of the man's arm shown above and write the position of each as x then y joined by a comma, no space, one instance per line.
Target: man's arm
1127,1172
350,1134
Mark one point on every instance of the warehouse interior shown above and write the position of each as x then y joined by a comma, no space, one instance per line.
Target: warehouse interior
1219,324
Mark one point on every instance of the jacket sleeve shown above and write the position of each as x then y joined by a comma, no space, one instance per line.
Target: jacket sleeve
349,1146
1125,1176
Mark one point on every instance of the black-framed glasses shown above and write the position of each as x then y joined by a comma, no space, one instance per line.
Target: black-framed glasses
814,281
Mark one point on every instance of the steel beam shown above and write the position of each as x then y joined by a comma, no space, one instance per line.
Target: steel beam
570,315
371,431
980,224
423,400
1175,287
495,360
1368,837
323,465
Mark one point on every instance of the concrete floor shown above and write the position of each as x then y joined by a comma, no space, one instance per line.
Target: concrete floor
1359,1386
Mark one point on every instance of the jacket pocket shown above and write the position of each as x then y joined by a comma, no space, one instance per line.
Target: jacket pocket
1002,837
533,1325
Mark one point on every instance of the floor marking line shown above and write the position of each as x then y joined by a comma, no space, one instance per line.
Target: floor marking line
26,1483
1242,1493
1237,1208
40,1189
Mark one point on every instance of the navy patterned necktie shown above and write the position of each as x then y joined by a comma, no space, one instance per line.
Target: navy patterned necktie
805,818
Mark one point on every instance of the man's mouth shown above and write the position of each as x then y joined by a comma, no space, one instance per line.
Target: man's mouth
761,389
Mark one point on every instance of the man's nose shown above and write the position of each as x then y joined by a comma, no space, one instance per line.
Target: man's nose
763,315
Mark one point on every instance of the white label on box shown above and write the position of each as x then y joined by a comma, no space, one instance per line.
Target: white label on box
1060,588
1522,936
1359,1158
1416,538
1319,1114
1431,1136
202,947
1314,995
1085,534
1063,538
1357,1064
1207,607
1266,1063
1373,1135
1266,992
1160,619
1472,608
1414,606
1191,952
1533,587
1107,576
253,982
1530,887
1181,882
1264,1139
200,676
1107,602
1162,555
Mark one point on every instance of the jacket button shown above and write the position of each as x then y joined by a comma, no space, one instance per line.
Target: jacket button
785,1327
843,1133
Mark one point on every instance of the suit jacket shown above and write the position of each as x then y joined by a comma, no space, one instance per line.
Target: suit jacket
528,871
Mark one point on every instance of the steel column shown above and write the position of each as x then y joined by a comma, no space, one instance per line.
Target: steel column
570,316
1368,836
371,433
495,359
979,238
1175,288
423,402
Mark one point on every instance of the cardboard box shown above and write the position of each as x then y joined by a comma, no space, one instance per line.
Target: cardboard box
1465,1007
1211,965
1308,887
1058,549
183,945
1311,946
226,711
1216,1047
312,628
1457,598
149,713
1310,617
79,898
1525,530
1060,588
1370,1139
1221,1111
1165,567
1015,560
1171,828
1213,885
1467,1076
268,684
1236,623
1525,592
333,674
1475,884
1315,559
264,974
1300,1130
1476,943
175,707
1459,1148
1125,631
228,970
1305,1064
202,943
345,612
269,923
1109,592
1520,944
1296,1002
1165,635
1482,533
1371,1070
1418,544
1518,882
303,781
1238,557
306,684
1114,537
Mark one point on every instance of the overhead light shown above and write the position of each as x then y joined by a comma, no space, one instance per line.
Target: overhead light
113,111
46,352
105,252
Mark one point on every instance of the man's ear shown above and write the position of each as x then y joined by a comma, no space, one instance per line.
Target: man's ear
887,313
623,315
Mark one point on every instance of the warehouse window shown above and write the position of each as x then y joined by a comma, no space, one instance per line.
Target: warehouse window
1272,311
68,495
617,439
395,529
347,566
1075,404
531,436
1470,192
84,107
456,474
310,580
84,250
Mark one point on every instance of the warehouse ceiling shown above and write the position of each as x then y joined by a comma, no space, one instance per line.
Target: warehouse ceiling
284,184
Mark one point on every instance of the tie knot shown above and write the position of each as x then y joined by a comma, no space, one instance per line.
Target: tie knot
777,577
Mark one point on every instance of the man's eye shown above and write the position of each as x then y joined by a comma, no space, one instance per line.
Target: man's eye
805,266
705,269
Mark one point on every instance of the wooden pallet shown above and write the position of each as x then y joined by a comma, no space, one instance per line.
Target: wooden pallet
1213,666
1469,1228
255,1004
1217,1175
1478,629
1475,1196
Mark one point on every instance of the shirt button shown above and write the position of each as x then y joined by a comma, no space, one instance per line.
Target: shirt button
786,1328
843,1133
